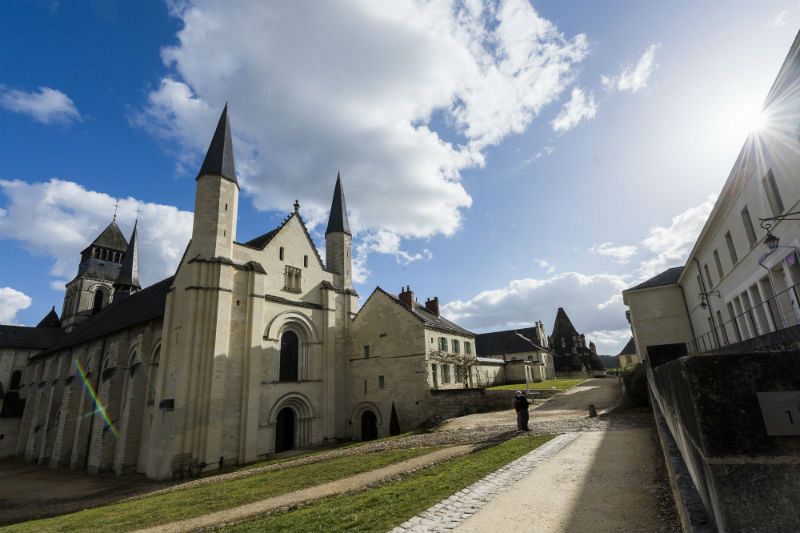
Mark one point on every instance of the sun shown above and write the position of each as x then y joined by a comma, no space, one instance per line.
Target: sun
750,121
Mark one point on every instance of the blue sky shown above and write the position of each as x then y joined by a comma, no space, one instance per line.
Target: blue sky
508,157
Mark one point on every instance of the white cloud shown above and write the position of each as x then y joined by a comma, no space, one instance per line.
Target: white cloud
621,253
383,242
609,341
580,107
11,302
633,78
780,19
671,245
58,219
545,265
523,301
46,106
544,152
353,86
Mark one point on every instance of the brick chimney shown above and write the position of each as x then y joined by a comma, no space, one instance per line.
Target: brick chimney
432,305
407,296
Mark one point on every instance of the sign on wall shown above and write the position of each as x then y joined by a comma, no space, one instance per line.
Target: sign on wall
781,412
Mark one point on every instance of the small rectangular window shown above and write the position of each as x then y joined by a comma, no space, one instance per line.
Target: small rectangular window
381,382
731,248
305,261
459,374
456,346
467,348
366,351
443,344
719,265
748,227
708,276
445,373
773,194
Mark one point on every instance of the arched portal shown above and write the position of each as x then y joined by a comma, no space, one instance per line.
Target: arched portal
284,430
369,425
289,356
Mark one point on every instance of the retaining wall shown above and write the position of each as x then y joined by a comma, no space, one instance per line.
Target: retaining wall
748,480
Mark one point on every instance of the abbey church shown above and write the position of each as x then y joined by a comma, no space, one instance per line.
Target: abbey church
249,349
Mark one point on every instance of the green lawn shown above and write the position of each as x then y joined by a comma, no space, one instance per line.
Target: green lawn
186,503
382,508
559,384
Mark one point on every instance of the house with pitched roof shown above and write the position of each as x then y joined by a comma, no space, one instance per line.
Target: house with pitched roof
524,352
408,364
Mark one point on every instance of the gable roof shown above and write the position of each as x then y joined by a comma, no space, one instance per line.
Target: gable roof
508,341
668,277
219,158
423,315
261,242
143,306
50,320
630,348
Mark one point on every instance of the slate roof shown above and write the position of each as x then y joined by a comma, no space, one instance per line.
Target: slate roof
668,277
129,272
337,221
262,241
428,318
111,238
506,342
28,337
50,320
630,348
219,158
143,306
563,325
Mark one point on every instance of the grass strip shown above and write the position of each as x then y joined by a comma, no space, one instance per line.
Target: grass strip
559,384
196,501
382,508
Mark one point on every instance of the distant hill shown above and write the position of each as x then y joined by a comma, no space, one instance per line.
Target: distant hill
609,361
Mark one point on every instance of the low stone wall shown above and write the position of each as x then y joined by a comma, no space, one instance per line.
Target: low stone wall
747,480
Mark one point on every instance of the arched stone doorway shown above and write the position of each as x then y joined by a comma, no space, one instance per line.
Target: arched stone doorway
289,356
284,430
369,425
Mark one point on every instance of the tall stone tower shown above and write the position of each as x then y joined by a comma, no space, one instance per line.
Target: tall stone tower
338,240
217,198
93,286
196,343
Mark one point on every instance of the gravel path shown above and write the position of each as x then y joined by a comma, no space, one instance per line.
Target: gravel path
341,486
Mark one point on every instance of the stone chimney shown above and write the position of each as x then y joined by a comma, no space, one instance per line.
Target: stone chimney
407,296
432,305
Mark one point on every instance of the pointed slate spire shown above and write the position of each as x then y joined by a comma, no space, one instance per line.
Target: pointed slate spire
128,279
50,320
219,158
337,221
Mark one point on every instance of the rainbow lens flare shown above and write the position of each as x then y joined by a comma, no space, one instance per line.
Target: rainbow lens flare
98,406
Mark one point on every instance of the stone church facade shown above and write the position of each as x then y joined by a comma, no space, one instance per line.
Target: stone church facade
240,354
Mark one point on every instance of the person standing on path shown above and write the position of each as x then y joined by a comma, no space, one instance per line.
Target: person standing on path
521,407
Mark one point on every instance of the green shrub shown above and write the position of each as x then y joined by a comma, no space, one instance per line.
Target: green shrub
634,380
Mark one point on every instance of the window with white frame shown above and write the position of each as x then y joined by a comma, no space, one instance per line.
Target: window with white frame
456,346
467,347
445,373
443,344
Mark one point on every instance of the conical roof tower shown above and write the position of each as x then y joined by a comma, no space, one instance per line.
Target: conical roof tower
128,279
337,221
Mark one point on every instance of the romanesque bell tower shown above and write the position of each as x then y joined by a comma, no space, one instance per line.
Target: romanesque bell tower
338,240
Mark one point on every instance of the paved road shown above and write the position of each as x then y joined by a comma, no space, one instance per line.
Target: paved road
602,392
602,482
